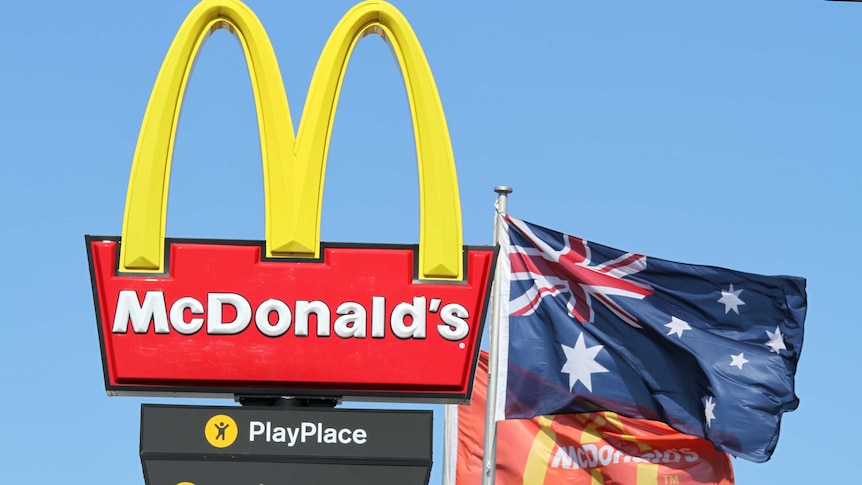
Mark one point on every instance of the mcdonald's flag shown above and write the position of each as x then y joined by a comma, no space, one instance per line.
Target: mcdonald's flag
590,449
709,351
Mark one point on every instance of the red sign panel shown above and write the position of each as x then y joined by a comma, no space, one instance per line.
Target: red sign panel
225,320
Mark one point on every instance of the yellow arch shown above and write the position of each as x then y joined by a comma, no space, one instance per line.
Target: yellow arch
440,208
539,458
294,168
142,248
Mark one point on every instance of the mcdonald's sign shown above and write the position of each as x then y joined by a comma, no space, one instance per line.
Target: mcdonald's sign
291,315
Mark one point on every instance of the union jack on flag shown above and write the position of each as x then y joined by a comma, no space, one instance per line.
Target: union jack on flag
570,271
712,352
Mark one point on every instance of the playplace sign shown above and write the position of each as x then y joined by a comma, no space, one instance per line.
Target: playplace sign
291,315
208,445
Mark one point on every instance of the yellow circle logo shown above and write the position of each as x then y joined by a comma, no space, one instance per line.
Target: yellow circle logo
221,431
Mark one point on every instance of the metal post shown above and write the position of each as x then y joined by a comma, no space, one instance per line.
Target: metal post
489,453
450,443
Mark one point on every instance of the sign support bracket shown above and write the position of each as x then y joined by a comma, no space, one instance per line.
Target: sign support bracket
287,402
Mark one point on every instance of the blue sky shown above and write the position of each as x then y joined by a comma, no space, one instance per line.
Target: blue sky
722,133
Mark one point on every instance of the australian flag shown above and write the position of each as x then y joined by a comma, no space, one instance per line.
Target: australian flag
712,352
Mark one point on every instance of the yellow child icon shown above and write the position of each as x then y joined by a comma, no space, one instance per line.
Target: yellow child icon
221,431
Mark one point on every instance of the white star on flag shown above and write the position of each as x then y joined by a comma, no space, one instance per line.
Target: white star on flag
776,340
731,300
738,360
581,363
709,411
677,326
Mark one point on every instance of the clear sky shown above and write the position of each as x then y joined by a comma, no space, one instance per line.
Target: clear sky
722,133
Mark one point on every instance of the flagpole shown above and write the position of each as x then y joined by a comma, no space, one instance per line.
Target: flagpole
449,442
489,453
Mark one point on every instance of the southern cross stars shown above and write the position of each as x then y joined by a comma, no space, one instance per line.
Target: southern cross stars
776,340
677,326
709,410
731,300
581,363
738,360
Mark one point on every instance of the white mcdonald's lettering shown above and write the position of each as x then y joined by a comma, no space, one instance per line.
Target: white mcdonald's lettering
273,317
591,456
140,314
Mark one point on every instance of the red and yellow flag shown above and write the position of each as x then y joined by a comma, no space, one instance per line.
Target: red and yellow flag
590,449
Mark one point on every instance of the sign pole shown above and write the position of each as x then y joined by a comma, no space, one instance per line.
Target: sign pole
489,453
450,442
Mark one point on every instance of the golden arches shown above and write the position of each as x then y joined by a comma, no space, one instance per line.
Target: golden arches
544,443
294,168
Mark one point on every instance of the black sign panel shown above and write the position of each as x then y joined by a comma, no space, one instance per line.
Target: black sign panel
208,445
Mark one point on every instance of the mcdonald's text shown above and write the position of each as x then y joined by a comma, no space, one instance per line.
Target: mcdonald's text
273,317
589,456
